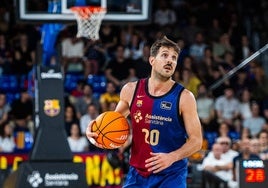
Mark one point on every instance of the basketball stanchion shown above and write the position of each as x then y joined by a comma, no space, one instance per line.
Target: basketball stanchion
89,19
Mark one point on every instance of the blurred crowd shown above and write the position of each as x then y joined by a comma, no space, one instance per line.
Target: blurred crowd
214,37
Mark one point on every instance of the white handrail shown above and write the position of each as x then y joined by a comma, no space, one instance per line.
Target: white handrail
235,69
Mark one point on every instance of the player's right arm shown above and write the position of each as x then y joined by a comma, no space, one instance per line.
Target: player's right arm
126,96
122,107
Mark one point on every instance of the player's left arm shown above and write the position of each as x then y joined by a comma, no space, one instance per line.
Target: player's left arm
188,111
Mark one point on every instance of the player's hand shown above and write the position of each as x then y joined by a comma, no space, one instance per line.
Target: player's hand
158,162
92,135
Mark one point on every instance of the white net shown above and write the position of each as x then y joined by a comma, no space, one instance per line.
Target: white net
88,21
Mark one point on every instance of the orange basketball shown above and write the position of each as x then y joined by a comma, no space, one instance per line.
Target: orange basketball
112,129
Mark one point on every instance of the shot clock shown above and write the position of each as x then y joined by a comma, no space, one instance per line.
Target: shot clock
253,174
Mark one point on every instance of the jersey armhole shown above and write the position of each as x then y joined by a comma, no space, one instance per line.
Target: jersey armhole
178,108
134,94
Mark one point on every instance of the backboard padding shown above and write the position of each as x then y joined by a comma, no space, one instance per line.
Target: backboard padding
59,10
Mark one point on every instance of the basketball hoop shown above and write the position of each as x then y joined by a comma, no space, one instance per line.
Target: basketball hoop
88,21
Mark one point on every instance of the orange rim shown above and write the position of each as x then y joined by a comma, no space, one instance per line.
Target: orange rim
86,11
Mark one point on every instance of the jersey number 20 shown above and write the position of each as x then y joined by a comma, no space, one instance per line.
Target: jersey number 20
151,136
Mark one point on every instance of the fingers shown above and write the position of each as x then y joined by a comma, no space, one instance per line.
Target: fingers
157,162
93,141
89,132
153,164
91,135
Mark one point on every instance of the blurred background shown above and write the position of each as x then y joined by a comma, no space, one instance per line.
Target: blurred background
216,37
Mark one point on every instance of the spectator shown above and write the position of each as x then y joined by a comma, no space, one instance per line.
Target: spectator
177,76
78,91
108,39
263,140
244,153
190,81
72,53
24,56
5,16
87,98
164,15
235,145
205,67
215,163
125,35
189,63
184,49
92,113
265,128
244,49
224,131
5,56
245,103
197,49
77,142
222,46
215,77
7,143
255,146
21,113
134,49
69,118
265,109
241,82
245,133
190,30
255,123
228,153
228,61
260,82
108,97
205,108
142,66
95,58
235,28
119,70
4,108
112,106
215,31
227,107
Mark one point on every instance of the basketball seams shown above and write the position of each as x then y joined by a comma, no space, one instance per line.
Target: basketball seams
111,140
109,122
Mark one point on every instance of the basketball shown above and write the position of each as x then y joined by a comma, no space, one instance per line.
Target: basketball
112,129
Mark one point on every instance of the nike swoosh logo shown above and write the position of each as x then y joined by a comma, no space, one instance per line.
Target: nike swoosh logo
140,96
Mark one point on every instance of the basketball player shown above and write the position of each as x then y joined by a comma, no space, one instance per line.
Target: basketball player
165,124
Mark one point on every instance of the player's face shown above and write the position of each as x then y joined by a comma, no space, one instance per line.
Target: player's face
165,62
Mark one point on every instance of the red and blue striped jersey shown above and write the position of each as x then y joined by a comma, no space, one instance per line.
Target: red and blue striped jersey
156,125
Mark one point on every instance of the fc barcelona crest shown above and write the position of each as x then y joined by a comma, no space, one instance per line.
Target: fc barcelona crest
52,107
139,103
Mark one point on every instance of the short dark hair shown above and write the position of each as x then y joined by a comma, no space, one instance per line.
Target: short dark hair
163,42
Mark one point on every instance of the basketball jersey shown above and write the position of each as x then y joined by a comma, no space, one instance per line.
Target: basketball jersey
156,125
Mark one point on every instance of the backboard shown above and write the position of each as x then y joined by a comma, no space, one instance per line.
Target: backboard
59,10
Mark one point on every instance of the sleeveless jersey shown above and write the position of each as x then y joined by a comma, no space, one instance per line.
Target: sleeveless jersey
156,125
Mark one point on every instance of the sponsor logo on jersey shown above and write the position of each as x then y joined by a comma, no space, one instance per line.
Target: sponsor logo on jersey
139,103
137,116
166,105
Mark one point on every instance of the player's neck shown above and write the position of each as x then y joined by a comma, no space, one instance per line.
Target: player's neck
158,87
